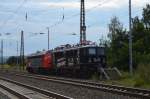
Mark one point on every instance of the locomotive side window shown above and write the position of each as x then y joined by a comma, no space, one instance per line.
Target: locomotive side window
92,51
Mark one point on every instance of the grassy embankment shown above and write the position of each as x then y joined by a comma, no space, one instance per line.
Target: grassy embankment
12,67
140,78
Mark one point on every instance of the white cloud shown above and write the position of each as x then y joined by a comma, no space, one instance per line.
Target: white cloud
140,3
101,4
61,4
105,4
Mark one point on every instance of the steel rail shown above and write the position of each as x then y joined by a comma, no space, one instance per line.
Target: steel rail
20,96
99,86
42,91
121,90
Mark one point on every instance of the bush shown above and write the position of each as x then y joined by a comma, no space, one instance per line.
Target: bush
95,76
143,75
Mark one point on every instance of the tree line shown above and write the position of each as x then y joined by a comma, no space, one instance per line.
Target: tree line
118,43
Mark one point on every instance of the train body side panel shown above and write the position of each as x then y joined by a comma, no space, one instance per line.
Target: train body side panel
47,61
40,62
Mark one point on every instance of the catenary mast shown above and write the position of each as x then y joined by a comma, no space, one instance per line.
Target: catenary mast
22,50
82,23
130,40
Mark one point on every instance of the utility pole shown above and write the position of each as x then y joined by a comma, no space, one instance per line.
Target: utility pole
2,54
130,40
22,50
48,37
17,53
82,23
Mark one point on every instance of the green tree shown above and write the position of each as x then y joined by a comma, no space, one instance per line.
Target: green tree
117,52
118,41
146,16
141,37
13,60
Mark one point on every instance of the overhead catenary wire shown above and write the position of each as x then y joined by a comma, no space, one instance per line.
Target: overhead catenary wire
14,12
64,18
77,14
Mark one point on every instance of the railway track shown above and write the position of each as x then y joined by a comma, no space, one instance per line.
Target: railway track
23,91
118,90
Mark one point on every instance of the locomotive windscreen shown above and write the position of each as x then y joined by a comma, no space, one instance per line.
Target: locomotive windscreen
36,62
92,51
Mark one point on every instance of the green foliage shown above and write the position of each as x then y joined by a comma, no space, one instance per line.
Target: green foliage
13,60
118,50
118,47
115,26
146,16
142,78
131,81
95,77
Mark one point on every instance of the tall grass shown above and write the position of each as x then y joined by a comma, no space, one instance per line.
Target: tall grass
143,75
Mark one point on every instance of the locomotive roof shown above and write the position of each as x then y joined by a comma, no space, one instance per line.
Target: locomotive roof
75,48
37,54
61,49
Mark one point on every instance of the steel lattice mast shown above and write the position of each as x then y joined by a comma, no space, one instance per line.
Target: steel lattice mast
82,23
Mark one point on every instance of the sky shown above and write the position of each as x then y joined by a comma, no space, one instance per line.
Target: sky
63,19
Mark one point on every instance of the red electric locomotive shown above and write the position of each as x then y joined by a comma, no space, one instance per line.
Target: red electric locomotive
39,62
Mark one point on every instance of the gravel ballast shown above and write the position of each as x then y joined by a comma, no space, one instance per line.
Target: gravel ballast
67,90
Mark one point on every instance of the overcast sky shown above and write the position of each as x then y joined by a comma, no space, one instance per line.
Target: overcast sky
49,13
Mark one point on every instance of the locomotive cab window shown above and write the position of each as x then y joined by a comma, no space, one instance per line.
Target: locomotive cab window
92,51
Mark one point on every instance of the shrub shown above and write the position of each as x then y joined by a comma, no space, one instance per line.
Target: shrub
143,75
